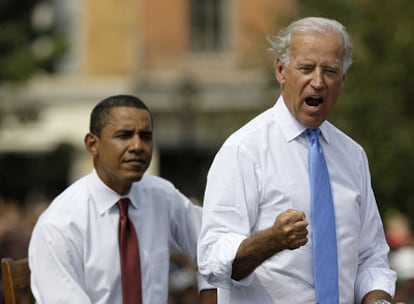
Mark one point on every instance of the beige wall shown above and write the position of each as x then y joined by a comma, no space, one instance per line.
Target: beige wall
166,32
112,30
256,20
149,40
125,37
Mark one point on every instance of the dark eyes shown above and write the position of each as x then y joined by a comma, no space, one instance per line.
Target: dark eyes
124,134
146,135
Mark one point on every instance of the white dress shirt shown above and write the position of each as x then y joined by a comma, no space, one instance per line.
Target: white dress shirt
261,171
74,251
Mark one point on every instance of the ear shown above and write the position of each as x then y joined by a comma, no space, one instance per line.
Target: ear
91,142
280,72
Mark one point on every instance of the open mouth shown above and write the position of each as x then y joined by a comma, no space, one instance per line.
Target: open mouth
314,101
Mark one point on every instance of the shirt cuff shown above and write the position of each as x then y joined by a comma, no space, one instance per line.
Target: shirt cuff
203,284
375,279
217,269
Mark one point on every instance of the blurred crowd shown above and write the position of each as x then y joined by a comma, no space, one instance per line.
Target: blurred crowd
16,223
399,233
17,220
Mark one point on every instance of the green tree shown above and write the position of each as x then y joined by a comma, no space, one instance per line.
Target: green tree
376,107
31,42
29,39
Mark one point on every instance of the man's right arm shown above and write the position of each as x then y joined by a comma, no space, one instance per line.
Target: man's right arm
228,252
288,232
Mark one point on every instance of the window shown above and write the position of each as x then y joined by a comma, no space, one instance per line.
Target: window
207,18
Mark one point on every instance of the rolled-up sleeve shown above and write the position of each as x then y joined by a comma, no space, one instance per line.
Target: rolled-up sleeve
227,216
373,270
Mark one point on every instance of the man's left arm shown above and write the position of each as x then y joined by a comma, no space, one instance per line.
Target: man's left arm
375,280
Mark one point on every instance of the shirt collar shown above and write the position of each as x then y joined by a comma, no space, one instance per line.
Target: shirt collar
104,197
325,131
290,127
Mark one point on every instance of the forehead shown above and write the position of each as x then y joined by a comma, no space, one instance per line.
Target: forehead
130,117
314,45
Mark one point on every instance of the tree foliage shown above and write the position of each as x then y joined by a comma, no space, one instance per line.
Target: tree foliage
376,107
30,41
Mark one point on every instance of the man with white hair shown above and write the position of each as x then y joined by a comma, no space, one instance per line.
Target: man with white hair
289,212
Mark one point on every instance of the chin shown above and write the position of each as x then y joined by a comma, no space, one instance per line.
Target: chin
134,177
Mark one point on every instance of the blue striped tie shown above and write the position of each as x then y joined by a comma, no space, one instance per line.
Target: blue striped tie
325,260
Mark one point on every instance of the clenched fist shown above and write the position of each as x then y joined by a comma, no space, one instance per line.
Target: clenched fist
290,229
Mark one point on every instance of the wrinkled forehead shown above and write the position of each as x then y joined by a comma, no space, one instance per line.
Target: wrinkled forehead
326,33
329,44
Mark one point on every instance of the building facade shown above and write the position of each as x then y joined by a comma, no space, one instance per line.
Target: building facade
202,66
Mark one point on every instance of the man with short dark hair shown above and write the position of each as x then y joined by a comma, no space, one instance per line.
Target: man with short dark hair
76,248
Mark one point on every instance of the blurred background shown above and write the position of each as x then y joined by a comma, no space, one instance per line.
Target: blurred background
203,68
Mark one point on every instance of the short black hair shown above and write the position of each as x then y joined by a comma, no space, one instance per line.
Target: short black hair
100,113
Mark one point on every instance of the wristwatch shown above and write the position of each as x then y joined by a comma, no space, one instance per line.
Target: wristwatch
381,302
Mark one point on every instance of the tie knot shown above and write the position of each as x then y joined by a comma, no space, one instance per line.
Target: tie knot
313,134
123,204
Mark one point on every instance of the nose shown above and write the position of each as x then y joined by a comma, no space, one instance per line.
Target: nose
317,80
136,142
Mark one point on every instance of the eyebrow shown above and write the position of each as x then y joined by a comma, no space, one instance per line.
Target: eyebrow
132,130
334,66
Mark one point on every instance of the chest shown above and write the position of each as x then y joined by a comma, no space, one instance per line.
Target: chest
284,184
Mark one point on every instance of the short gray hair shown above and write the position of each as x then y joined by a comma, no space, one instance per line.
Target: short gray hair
280,44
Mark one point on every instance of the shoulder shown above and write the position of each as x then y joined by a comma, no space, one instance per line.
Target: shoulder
68,205
156,189
159,192
253,128
342,146
154,182
340,138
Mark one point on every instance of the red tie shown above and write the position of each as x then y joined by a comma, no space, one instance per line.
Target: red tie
129,253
